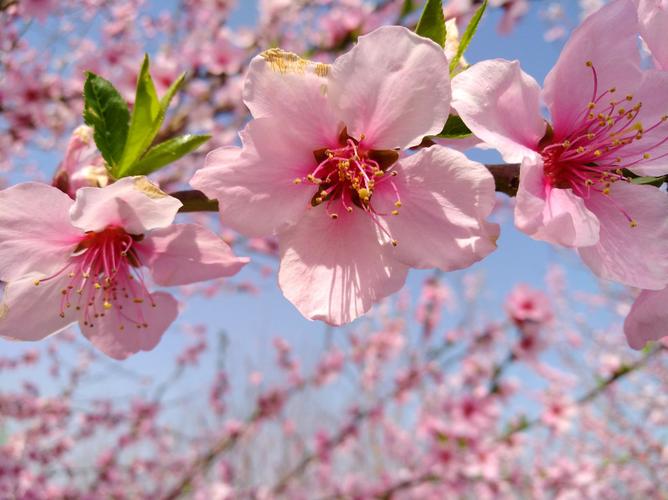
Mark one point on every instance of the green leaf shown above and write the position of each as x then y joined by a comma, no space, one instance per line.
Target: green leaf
107,112
407,8
166,153
468,36
653,181
171,92
145,121
432,22
648,348
455,128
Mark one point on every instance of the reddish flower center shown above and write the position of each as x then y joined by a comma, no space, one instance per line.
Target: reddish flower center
103,275
347,175
593,156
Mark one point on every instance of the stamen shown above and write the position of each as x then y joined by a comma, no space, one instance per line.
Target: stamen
593,156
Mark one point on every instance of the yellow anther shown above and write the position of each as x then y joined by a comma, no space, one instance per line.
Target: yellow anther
395,212
613,90
589,64
349,209
591,135
297,181
379,173
633,223
566,143
36,282
364,194
580,149
646,156
591,105
107,304
397,204
629,97
590,116
621,111
589,182
597,153
395,243
137,300
606,191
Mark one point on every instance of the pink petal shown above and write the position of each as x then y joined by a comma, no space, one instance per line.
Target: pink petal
501,105
133,203
653,18
187,253
36,234
608,39
653,94
551,214
445,200
634,256
335,270
255,191
393,87
32,312
107,335
648,318
290,89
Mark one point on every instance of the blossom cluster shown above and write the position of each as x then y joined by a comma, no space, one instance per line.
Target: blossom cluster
334,165
501,411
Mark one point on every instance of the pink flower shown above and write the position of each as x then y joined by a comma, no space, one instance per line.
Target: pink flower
558,411
37,8
82,165
67,261
320,168
648,318
524,304
608,116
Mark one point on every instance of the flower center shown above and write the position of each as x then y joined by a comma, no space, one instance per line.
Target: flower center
103,274
347,175
594,155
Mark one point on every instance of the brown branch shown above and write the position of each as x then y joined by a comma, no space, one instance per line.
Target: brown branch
204,462
195,201
6,4
507,179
